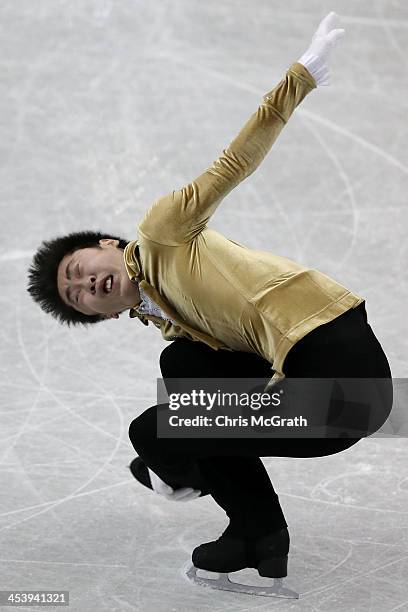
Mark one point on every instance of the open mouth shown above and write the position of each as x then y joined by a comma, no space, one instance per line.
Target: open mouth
108,284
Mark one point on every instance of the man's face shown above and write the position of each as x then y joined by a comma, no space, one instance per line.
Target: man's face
82,275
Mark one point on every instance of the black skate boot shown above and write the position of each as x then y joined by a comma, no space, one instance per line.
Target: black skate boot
268,554
139,470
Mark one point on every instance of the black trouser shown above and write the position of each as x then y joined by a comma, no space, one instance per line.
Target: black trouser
231,468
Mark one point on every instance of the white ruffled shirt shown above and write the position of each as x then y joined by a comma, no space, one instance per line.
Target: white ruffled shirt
148,306
317,68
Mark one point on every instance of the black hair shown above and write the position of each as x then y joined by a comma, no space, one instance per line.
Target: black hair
42,274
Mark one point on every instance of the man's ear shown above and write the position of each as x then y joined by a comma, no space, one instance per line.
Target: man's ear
108,242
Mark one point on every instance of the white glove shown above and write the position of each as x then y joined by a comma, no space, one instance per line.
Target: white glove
324,40
160,487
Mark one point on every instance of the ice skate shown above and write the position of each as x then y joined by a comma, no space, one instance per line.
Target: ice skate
268,554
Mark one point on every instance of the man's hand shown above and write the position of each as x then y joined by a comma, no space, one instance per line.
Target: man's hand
326,37
160,487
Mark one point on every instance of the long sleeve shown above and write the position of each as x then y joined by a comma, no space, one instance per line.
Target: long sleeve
180,216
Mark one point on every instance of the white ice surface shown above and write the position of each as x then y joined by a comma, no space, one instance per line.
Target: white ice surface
104,107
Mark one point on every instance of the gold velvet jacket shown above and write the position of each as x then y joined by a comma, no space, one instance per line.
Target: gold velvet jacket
214,289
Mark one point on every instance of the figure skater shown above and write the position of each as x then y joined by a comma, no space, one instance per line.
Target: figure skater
229,311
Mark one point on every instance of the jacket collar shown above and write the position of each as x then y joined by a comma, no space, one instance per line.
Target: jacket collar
134,266
134,270
132,260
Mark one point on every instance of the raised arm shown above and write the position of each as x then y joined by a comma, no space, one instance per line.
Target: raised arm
181,215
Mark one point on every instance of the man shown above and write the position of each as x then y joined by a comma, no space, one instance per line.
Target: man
181,275
233,311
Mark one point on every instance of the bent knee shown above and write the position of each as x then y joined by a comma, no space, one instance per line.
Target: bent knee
143,427
172,357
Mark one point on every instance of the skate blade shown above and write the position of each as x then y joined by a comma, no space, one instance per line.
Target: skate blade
223,583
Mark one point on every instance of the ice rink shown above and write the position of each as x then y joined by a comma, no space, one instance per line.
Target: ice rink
105,106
